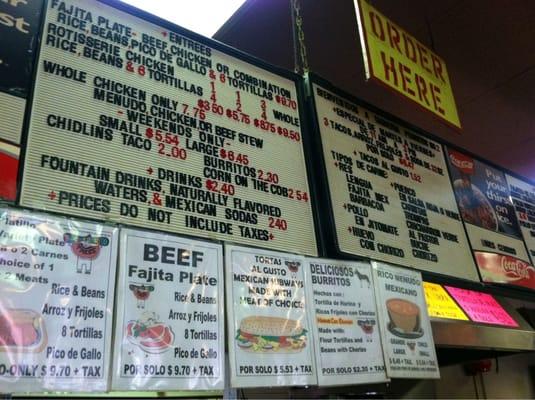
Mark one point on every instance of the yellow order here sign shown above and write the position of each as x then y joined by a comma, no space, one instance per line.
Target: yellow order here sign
395,58
440,304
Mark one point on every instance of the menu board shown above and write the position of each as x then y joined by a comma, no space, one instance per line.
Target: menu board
440,304
408,345
169,331
345,329
523,197
481,307
389,190
19,24
156,127
18,30
269,330
57,280
484,200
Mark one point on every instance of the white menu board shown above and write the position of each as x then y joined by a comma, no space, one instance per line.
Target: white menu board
523,197
169,332
270,342
408,345
57,280
345,325
148,125
389,189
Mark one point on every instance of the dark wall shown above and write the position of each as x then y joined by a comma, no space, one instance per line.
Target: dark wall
487,45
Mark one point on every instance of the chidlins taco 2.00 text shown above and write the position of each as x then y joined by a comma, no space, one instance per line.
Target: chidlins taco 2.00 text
271,334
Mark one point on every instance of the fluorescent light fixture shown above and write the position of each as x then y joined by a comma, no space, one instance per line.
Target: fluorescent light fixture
201,16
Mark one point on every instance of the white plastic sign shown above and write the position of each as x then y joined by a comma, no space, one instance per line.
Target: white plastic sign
169,331
345,325
56,298
269,330
408,346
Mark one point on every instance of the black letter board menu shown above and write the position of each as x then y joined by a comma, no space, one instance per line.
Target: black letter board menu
487,208
154,126
389,190
19,24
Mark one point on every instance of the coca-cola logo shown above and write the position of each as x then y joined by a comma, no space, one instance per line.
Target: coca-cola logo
515,266
464,163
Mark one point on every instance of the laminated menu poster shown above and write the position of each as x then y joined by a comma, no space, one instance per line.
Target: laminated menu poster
523,197
482,307
408,345
389,190
269,329
57,279
345,325
147,124
440,304
486,207
169,328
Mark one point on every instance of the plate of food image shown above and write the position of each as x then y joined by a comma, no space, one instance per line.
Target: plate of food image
149,334
22,331
474,206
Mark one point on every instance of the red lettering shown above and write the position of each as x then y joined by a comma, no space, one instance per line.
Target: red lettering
422,88
373,18
410,51
389,68
404,71
437,67
435,94
393,36
424,61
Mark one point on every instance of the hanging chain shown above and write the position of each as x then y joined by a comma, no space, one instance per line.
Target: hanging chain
301,61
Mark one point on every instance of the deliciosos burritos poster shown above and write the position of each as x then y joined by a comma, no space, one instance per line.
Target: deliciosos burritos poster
345,328
408,346
269,331
169,331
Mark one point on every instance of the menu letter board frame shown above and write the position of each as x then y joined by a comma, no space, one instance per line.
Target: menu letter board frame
18,32
277,215
17,58
466,262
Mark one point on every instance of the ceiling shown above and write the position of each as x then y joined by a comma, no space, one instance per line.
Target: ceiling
488,47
